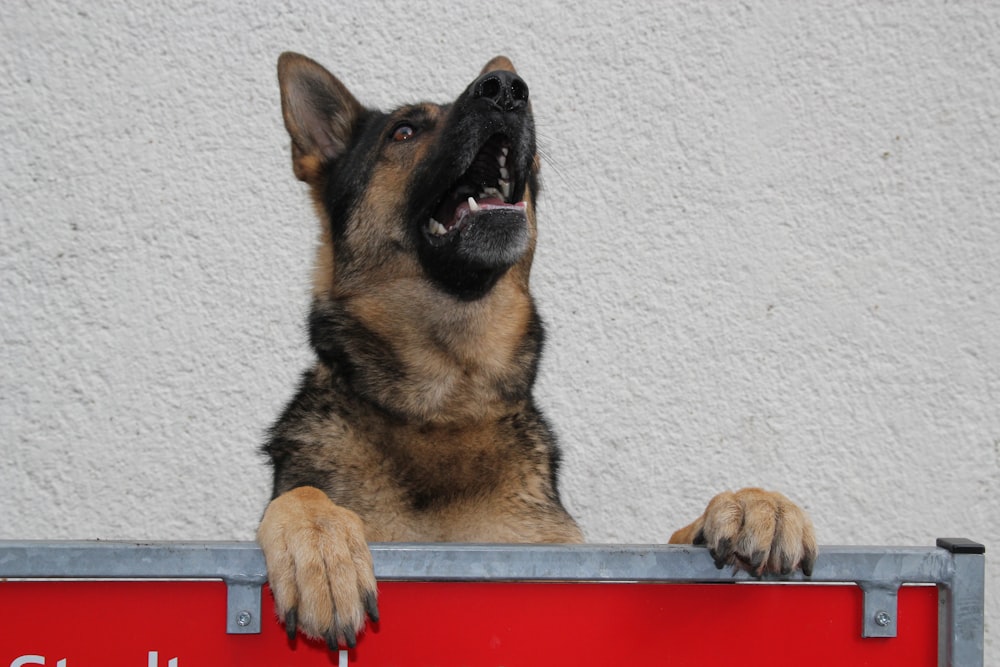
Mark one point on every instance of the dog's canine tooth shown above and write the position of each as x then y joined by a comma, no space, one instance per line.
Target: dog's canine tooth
505,189
505,151
504,174
473,205
502,160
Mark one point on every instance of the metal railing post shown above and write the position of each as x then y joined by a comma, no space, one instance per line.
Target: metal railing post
961,605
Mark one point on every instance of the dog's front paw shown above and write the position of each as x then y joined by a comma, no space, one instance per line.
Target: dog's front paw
755,530
318,565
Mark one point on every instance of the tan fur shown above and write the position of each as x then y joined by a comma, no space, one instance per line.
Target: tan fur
498,63
452,381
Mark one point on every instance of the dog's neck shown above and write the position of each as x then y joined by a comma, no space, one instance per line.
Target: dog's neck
438,360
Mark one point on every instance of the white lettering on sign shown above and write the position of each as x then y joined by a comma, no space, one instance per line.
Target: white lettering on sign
153,660
34,660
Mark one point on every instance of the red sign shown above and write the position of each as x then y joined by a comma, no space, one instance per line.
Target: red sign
183,624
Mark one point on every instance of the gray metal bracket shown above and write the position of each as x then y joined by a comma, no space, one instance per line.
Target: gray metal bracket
879,609
243,607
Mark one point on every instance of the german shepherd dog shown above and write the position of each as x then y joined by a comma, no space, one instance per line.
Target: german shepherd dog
416,422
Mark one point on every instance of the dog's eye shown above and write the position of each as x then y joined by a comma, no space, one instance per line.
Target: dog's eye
403,132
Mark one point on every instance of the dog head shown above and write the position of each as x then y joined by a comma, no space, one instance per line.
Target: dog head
440,195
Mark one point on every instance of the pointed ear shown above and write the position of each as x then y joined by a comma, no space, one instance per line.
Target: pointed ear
499,62
320,113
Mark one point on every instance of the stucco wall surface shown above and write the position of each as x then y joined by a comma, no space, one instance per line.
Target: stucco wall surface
770,254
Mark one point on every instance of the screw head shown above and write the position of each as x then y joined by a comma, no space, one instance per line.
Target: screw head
883,618
243,619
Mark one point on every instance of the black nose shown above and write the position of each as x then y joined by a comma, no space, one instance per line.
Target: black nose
505,89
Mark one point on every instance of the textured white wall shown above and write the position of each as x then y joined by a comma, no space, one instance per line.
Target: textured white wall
770,254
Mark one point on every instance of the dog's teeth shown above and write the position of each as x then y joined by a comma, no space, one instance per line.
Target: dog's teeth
504,174
502,160
505,189
436,228
505,150
473,205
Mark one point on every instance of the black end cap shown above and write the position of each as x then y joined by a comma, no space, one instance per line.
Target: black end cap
960,545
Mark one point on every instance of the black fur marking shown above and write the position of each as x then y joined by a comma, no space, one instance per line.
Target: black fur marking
290,443
348,177
364,361
468,262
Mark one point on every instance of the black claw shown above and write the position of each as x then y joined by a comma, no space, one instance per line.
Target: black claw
291,621
807,566
350,639
371,606
757,562
331,641
787,566
723,554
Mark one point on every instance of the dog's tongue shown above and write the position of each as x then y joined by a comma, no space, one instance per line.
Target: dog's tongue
453,215
472,206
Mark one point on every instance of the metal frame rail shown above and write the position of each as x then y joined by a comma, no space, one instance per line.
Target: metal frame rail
956,566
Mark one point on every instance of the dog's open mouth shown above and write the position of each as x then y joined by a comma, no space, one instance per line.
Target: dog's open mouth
490,183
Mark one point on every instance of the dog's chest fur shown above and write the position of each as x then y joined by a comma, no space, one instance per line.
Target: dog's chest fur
485,481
